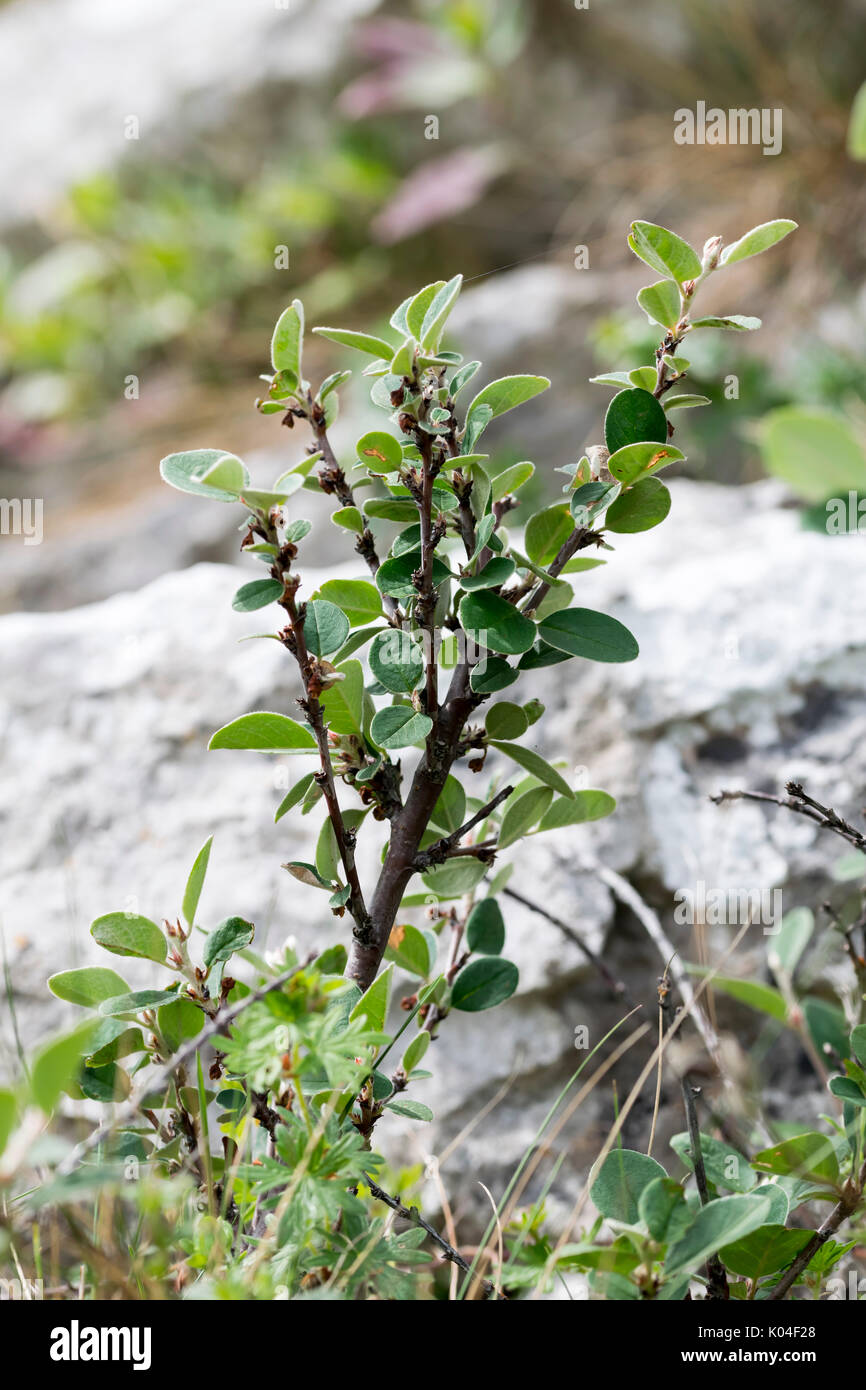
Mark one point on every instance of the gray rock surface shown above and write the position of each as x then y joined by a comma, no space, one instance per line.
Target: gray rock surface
752,637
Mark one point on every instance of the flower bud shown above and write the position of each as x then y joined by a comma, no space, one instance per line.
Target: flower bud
710,256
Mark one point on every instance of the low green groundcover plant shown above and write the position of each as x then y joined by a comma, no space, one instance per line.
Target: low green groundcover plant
236,1157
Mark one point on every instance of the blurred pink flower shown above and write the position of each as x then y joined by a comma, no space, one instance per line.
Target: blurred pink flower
436,190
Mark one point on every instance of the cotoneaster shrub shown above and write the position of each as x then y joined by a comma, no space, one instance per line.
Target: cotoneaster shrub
237,1159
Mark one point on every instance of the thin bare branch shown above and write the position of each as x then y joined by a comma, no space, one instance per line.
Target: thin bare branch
442,849
414,1216
803,805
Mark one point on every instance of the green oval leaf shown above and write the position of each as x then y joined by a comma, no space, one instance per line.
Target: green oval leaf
583,632
88,986
231,935
661,304
485,928
764,1251
814,450
265,732
453,879
508,392
759,239
619,1182
380,452
127,934
510,479
438,310
449,813
496,624
399,726
394,576
506,720
357,598
257,594
326,627
632,417
296,794
521,813
136,1000
195,882
397,660
373,1004
343,702
664,251
754,993
495,573
350,518
364,342
179,1020
724,1165
412,1109
534,763
482,984
584,805
635,461
415,1051
492,674
740,323
662,1207
409,948
807,1156
186,472
847,1090
641,507
719,1223
57,1063
287,340
546,531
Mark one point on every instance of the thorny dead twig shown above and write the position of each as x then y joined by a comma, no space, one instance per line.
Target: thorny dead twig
413,1215
798,801
717,1283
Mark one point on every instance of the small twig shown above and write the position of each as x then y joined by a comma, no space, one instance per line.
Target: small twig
617,988
848,933
689,1093
443,849
310,676
802,805
717,1283
333,480
414,1216
663,988
845,1207
580,538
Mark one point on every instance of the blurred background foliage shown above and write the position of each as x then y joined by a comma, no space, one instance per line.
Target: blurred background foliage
555,129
